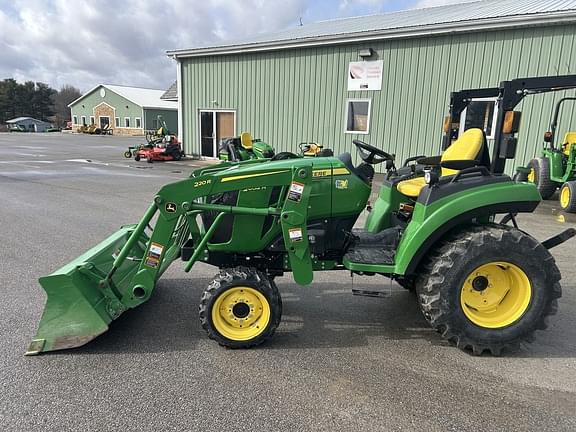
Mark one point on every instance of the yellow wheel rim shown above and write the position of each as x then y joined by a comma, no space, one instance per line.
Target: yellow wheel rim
565,197
532,176
496,295
241,313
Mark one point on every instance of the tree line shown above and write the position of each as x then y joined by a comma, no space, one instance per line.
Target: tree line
37,100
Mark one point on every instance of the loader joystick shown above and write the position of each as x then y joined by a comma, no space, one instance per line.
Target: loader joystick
370,154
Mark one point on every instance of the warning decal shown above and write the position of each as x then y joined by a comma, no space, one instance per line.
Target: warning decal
154,254
295,234
296,190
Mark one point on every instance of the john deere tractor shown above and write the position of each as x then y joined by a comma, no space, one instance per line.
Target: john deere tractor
556,167
444,227
244,147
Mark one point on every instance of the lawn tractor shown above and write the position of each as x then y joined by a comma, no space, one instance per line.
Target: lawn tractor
166,150
556,167
447,231
244,148
154,139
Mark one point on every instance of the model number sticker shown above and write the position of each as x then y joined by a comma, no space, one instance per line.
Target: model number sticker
295,234
296,190
202,183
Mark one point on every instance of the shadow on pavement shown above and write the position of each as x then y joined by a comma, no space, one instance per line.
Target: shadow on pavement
323,315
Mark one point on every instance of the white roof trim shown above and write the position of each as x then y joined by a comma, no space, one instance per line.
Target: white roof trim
162,104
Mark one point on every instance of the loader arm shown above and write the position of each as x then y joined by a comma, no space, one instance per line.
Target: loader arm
86,295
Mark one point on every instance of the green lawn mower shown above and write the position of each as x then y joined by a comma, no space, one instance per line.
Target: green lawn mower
244,148
447,231
556,167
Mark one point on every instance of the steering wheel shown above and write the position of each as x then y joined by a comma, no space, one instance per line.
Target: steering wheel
370,154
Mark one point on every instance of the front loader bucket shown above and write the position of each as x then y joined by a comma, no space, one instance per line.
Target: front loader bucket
80,306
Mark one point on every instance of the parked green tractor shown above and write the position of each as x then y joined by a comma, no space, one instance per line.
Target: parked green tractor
485,285
244,147
556,167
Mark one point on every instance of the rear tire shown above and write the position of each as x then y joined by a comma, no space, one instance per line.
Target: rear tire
127,154
149,159
568,197
540,176
240,308
488,288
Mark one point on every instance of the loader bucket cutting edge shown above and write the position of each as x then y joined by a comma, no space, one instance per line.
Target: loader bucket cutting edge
77,308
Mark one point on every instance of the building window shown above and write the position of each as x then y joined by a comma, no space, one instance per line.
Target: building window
83,120
92,120
117,121
126,122
138,122
480,113
358,116
75,120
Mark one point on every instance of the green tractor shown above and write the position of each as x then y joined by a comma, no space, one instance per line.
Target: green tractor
440,227
556,167
245,147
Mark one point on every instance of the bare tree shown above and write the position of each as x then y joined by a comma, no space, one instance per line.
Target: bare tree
61,100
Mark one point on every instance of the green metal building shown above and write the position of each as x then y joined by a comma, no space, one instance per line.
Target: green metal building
126,110
385,79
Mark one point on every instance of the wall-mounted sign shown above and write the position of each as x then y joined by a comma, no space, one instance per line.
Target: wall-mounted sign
365,75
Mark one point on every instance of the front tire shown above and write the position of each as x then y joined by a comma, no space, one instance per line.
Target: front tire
240,308
127,154
568,197
540,175
488,288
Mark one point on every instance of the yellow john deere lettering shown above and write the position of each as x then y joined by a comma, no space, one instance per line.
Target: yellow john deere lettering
340,171
326,172
227,179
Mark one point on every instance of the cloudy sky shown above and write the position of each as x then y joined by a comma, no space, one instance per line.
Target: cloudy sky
124,41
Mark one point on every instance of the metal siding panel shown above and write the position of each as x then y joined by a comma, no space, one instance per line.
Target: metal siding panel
290,96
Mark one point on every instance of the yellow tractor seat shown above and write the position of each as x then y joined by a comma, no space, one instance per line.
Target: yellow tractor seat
569,141
468,147
246,140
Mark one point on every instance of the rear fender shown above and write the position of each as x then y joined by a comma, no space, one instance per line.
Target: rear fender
430,223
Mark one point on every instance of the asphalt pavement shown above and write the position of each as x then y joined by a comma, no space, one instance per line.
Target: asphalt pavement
337,362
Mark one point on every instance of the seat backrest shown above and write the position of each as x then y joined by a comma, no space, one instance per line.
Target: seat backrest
469,146
246,140
569,141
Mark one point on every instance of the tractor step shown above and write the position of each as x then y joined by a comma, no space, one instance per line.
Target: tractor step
374,248
371,255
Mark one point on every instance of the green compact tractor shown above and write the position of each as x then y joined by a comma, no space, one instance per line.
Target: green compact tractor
556,167
444,227
244,148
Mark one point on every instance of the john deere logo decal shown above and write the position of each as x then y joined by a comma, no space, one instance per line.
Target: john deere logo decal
171,207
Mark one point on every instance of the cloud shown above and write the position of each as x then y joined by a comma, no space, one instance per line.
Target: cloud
83,44
124,42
